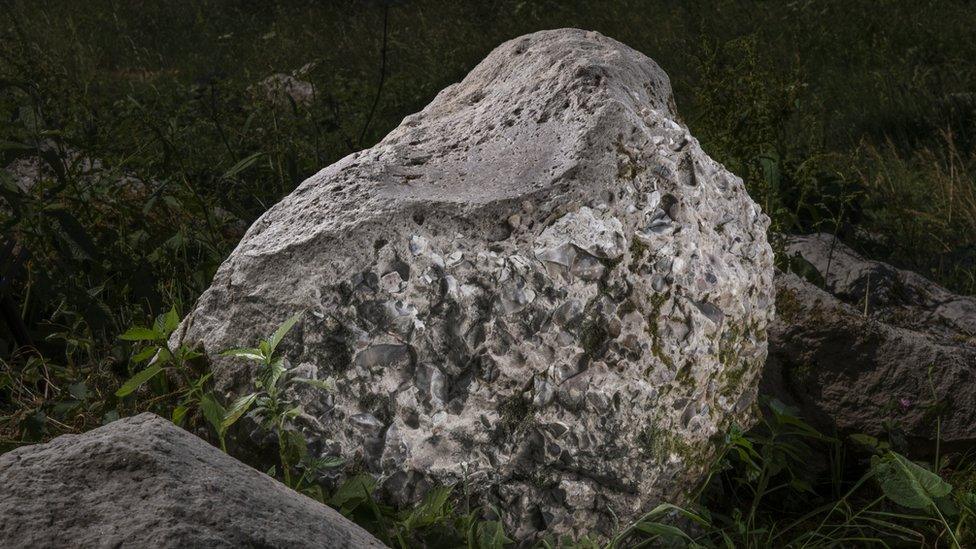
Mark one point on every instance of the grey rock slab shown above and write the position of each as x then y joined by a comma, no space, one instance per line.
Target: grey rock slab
865,354
143,482
539,285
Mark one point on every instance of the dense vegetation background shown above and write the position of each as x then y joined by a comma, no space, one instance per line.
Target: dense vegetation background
156,150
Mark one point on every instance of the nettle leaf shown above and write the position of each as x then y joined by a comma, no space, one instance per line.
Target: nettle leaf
137,380
353,492
162,356
166,323
145,354
907,483
292,412
491,535
169,321
179,414
236,410
329,462
137,333
213,411
249,354
296,449
186,354
431,509
273,374
282,331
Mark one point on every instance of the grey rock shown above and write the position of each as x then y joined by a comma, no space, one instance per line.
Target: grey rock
143,482
281,89
26,172
865,354
580,296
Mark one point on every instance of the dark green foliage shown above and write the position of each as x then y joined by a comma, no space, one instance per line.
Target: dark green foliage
784,484
438,520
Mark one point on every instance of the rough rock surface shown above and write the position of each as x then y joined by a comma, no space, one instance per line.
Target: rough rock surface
539,284
282,89
858,355
143,482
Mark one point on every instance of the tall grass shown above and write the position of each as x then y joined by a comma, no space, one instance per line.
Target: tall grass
922,209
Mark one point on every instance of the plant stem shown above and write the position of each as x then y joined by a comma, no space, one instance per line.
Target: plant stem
947,527
281,455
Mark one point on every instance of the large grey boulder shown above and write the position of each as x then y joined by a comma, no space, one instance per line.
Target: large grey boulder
539,285
143,482
878,349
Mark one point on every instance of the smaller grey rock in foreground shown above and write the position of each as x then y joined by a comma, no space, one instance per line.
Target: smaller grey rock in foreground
858,356
143,482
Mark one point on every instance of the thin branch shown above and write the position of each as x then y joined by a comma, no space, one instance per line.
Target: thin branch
379,87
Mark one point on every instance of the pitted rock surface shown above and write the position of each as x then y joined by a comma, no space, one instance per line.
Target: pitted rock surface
539,285
877,349
144,482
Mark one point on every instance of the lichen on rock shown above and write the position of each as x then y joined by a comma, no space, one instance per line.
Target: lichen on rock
539,285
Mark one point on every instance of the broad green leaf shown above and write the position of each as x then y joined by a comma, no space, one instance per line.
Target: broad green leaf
250,354
186,353
315,492
272,374
329,462
78,390
491,535
236,410
326,384
137,333
296,449
431,509
167,322
353,492
292,412
282,331
213,411
162,355
179,413
137,380
907,483
172,320
200,381
662,530
869,442
144,354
